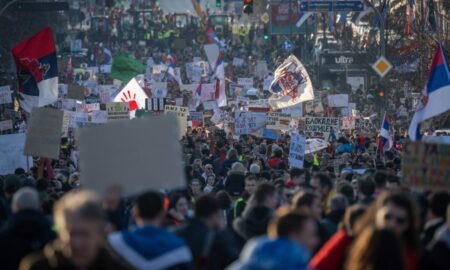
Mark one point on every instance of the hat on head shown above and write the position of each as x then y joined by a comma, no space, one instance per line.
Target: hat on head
254,168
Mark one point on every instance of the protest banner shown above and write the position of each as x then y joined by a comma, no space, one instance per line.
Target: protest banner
278,121
6,125
99,117
5,95
258,105
295,111
239,123
75,91
181,114
297,151
81,107
159,89
44,133
247,83
238,62
208,92
348,122
195,116
118,110
321,127
11,153
122,154
426,165
338,101
314,106
249,122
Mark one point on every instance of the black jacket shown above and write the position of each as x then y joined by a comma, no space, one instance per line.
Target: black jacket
210,249
254,222
25,232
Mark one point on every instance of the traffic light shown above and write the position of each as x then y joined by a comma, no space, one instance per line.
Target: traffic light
381,94
248,7
266,33
218,3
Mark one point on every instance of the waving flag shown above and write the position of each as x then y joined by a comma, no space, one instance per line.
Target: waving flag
134,95
385,142
213,38
291,84
435,98
219,73
37,71
171,62
410,13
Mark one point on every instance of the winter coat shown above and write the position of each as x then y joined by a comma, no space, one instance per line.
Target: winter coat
332,255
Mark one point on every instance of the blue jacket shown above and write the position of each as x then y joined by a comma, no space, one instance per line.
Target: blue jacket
151,247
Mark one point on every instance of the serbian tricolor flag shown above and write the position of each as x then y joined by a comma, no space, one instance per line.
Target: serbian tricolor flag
37,71
385,140
213,38
219,73
435,98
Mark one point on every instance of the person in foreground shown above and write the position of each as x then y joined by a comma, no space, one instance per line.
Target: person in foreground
150,246
80,222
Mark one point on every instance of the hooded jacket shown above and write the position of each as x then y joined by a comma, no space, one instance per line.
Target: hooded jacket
253,222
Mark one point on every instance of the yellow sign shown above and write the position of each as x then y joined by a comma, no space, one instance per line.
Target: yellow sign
382,66
265,17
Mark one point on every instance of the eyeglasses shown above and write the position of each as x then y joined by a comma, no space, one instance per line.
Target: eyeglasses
399,220
209,168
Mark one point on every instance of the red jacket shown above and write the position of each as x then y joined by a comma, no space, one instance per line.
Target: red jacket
332,255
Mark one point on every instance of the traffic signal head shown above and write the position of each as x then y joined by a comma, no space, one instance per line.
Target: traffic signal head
266,37
219,3
381,94
248,7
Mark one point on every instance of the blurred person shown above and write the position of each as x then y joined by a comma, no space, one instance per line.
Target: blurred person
210,183
291,238
398,212
204,237
338,204
323,185
80,223
27,230
11,183
241,202
333,253
276,161
376,249
366,189
234,183
178,210
195,190
437,215
150,246
299,177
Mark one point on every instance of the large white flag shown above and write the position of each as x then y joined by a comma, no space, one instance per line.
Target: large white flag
133,94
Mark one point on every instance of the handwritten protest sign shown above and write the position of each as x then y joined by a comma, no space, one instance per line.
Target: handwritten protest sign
237,62
364,126
106,92
44,133
295,111
75,91
181,114
340,100
78,119
99,117
118,110
297,151
6,125
348,122
247,83
5,95
11,153
239,123
321,127
81,107
278,121
314,106
249,122
208,92
122,153
195,116
426,165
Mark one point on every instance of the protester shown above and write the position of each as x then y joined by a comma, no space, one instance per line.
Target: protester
80,223
437,215
241,203
178,210
150,246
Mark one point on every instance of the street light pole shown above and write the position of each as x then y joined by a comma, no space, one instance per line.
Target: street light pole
382,26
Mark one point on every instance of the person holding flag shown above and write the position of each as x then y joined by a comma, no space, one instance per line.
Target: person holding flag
435,98
385,140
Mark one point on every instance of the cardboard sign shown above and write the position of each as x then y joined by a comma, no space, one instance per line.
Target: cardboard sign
249,122
44,133
297,151
80,107
208,92
239,123
11,153
118,110
5,95
75,91
278,121
106,92
321,127
238,62
181,114
426,165
348,122
99,117
78,119
131,154
195,116
247,83
338,101
6,125
314,106
295,111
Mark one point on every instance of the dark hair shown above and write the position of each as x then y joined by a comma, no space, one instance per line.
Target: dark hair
286,222
366,185
224,199
19,171
304,198
376,249
206,206
174,198
346,189
352,215
149,204
295,172
250,177
278,153
262,192
439,201
324,180
380,179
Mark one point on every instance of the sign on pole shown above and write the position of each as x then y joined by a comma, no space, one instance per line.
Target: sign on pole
382,66
321,127
330,6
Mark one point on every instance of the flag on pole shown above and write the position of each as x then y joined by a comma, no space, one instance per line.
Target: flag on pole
385,140
410,13
435,98
125,67
171,63
291,84
377,20
219,73
37,70
213,38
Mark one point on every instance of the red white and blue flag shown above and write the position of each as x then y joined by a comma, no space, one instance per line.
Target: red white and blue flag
435,98
37,70
213,38
386,141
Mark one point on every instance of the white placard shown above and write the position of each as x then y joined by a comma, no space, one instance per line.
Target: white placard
297,151
5,94
11,153
340,100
